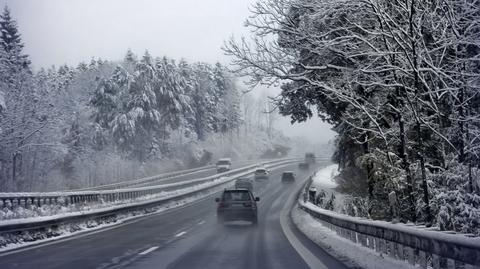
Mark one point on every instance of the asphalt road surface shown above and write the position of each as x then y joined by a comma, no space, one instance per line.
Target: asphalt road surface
189,237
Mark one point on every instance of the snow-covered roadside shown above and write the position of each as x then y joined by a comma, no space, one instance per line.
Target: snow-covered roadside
323,181
351,254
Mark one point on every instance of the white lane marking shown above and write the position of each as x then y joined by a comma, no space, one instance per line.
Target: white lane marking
201,222
309,258
180,234
147,251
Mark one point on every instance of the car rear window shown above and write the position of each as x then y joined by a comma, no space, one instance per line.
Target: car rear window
260,171
223,162
288,174
236,196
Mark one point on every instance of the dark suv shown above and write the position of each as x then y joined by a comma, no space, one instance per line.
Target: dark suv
237,204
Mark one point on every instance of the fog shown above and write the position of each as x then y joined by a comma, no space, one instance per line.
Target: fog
56,32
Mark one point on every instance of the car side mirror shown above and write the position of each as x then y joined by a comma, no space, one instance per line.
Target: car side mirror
257,199
217,200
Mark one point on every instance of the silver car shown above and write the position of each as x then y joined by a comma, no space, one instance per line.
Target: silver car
244,183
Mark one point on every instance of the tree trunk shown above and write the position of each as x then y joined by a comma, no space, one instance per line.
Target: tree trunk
426,198
418,90
406,168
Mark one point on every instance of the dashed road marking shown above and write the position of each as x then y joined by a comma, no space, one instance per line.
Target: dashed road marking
147,251
201,222
180,234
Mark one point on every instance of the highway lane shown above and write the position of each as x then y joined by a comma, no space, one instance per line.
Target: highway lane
186,237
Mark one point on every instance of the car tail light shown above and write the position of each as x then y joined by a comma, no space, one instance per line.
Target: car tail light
222,204
249,204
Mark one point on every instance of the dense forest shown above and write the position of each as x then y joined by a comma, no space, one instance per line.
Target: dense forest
399,80
105,121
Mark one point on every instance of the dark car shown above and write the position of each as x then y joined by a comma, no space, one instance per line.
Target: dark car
310,158
239,204
261,173
303,166
288,177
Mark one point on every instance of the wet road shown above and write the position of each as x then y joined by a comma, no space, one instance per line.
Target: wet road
187,237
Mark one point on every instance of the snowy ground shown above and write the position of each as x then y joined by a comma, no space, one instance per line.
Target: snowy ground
323,181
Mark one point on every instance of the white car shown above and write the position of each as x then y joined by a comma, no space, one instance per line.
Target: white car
223,165
261,173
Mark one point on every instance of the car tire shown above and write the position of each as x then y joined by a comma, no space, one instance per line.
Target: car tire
255,221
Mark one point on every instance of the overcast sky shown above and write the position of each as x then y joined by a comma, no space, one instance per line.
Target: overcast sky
69,31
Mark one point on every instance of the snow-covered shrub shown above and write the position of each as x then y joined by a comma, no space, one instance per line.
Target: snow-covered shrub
454,206
355,206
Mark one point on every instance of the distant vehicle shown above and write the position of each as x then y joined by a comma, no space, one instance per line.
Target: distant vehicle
244,183
304,166
239,204
261,173
288,177
309,157
223,165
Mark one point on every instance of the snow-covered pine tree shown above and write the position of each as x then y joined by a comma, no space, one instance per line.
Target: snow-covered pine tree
204,102
135,130
171,89
11,42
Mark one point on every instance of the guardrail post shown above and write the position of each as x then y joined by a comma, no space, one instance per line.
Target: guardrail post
411,255
391,248
371,243
351,236
28,202
422,259
363,239
450,264
378,247
436,261
400,254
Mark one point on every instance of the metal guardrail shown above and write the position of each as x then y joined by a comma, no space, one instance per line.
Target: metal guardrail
111,212
145,180
417,246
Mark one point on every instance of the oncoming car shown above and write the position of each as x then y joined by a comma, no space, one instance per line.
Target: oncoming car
288,177
303,166
261,173
239,204
223,165
244,183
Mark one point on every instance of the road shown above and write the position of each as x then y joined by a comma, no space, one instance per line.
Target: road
186,237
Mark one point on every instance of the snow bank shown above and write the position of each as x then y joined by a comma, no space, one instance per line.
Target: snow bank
323,179
351,254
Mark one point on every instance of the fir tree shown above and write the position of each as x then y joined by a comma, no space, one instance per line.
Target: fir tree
11,42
